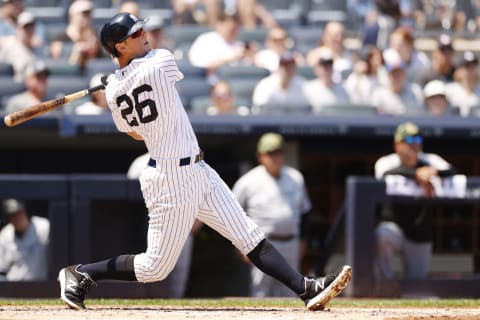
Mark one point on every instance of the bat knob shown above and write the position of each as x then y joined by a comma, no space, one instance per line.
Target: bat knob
103,79
8,120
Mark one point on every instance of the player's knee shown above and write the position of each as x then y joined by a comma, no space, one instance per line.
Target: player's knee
151,270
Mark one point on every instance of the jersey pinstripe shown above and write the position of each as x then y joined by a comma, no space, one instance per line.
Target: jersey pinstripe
143,99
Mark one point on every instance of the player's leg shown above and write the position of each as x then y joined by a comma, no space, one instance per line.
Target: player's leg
290,251
169,226
417,256
389,240
178,278
223,213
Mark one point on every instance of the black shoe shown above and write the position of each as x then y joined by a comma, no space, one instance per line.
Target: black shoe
319,291
73,286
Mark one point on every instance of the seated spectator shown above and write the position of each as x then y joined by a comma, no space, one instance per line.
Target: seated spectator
332,38
402,41
436,102
209,12
24,47
36,81
442,67
464,92
368,73
221,46
156,35
23,244
281,88
323,91
98,102
223,101
275,46
130,7
398,96
79,43
9,12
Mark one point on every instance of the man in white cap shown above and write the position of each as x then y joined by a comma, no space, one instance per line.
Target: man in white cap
323,91
23,244
36,82
98,103
79,42
398,96
9,12
275,197
24,47
436,102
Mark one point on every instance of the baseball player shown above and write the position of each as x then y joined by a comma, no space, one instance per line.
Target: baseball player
177,185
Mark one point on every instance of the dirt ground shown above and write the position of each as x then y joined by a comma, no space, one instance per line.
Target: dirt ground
196,313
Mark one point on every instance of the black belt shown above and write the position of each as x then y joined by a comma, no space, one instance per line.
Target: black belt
182,162
282,238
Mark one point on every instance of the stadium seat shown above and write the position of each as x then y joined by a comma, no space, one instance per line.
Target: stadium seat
6,69
54,29
62,67
229,72
100,65
305,38
306,72
253,35
348,109
323,11
188,88
9,87
475,112
282,108
191,71
62,85
186,33
243,88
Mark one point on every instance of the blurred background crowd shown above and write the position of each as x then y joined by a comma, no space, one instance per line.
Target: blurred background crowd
393,57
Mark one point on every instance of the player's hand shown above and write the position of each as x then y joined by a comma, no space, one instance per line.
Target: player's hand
424,177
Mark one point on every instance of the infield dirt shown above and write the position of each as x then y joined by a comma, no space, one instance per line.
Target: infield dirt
196,313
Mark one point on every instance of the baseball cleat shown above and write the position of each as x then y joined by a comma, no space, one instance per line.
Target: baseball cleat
73,286
319,291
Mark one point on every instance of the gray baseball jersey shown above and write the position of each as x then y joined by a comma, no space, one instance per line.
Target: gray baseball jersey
176,187
25,258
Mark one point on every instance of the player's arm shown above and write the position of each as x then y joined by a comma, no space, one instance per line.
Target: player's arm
135,135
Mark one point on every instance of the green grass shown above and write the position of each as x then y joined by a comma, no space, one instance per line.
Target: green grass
252,302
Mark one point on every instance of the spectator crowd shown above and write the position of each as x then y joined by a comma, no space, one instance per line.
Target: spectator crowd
250,60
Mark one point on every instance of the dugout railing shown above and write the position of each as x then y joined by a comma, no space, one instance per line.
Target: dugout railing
363,196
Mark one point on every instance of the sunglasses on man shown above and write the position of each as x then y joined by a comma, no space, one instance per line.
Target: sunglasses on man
413,139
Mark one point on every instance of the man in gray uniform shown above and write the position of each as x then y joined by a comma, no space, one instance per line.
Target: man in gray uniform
274,196
23,244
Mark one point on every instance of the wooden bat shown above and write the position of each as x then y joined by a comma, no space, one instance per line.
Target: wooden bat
17,117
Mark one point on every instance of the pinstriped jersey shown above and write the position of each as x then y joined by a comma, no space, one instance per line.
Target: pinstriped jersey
143,99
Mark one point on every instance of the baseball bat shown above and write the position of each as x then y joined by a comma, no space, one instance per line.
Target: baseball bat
17,117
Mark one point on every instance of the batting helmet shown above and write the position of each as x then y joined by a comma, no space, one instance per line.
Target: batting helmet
119,28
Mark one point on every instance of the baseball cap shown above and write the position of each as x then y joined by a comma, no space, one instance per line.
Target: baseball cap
35,68
153,23
12,206
405,130
96,79
393,61
286,58
325,57
79,6
444,41
468,57
270,142
25,18
434,88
